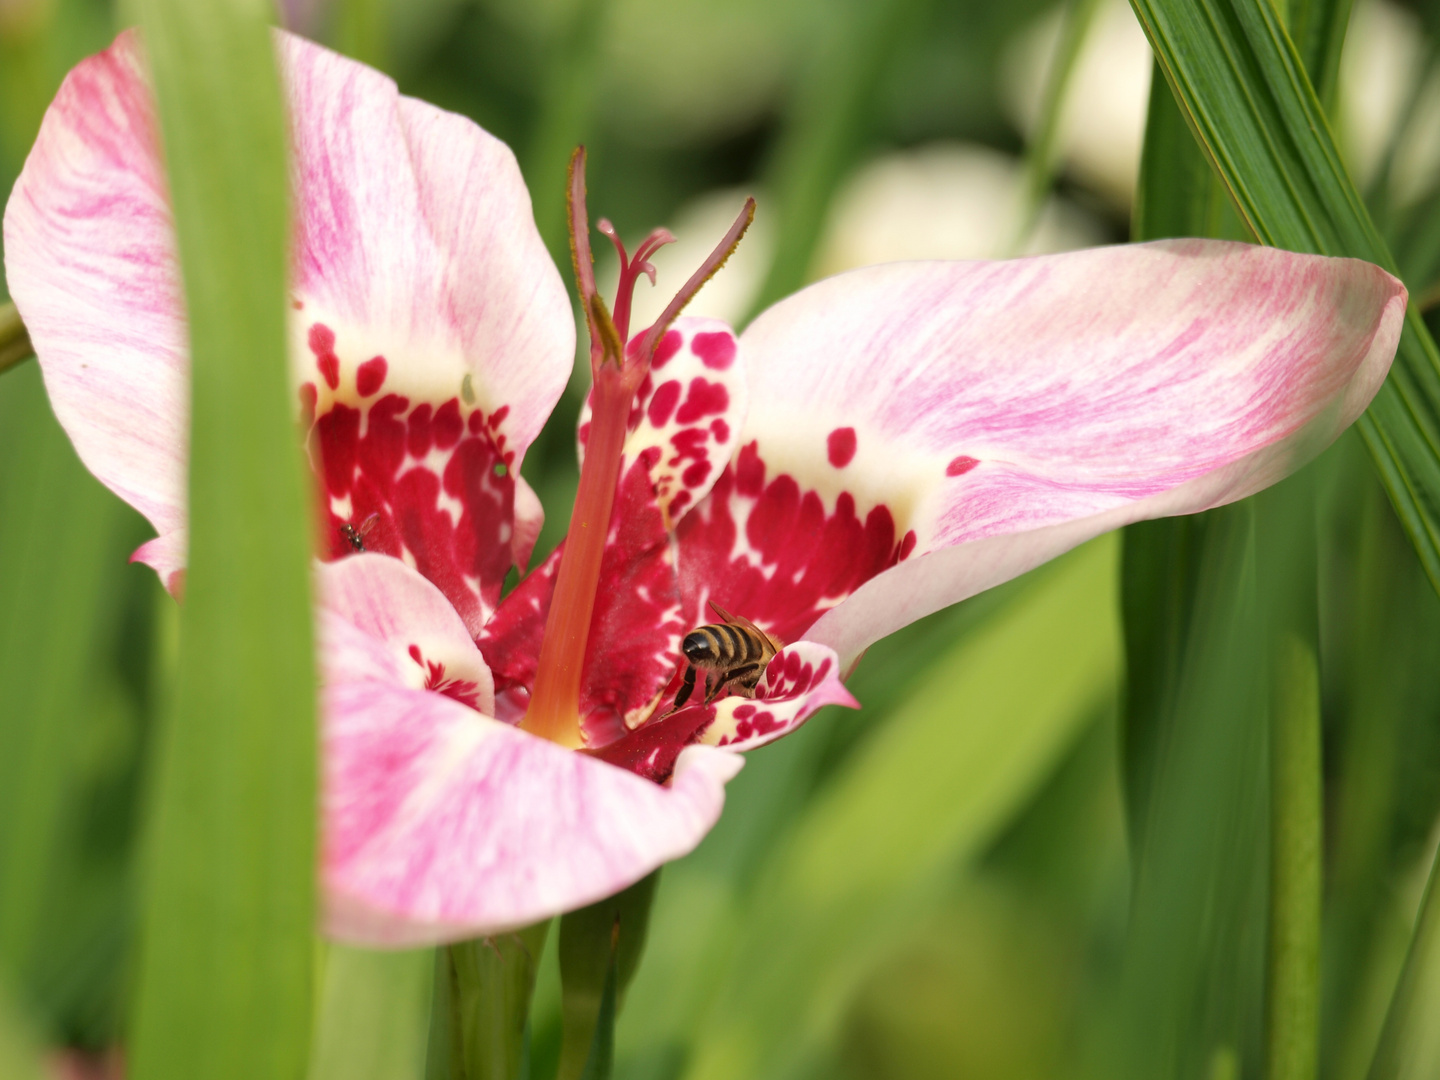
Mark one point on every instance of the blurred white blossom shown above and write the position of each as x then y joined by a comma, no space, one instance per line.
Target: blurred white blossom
683,71
1102,121
942,201
1383,61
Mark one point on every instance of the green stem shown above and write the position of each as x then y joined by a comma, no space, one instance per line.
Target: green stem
14,341
1293,991
481,1004
600,950
1041,159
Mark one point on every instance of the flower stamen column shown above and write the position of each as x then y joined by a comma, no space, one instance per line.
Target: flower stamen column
554,711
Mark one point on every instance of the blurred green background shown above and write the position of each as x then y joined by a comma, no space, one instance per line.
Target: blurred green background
1040,850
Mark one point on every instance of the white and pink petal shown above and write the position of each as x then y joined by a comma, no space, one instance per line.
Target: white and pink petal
431,332
987,416
801,679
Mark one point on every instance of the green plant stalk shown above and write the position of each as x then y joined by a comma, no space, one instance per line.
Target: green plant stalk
14,340
1042,156
1243,89
481,1005
224,981
600,950
1293,991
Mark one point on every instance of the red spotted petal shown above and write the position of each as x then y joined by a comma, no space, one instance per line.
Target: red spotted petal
688,413
777,553
429,485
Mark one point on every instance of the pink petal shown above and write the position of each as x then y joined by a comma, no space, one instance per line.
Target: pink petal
635,630
441,823
90,261
687,413
431,334
428,644
985,417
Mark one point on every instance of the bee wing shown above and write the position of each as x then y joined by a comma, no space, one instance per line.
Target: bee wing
740,620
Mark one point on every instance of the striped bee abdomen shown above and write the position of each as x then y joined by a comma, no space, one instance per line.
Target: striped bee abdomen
721,645
732,654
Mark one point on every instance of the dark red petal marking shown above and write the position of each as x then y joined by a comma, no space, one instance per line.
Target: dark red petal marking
716,350
703,399
635,630
432,485
840,446
650,751
961,465
682,424
663,402
465,691
371,376
764,548
668,347
322,344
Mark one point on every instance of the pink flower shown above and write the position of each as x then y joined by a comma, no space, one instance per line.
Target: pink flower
876,447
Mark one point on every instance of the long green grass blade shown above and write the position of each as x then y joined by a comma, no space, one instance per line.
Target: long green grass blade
19,1056
224,981
914,803
1042,156
62,547
1242,87
1196,742
1287,563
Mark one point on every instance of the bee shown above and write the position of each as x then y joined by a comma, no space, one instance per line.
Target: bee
732,653
355,534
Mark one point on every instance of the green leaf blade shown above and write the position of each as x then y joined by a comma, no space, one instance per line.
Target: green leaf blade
1242,87
225,976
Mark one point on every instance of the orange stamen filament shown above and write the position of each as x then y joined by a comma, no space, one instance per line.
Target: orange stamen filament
554,711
